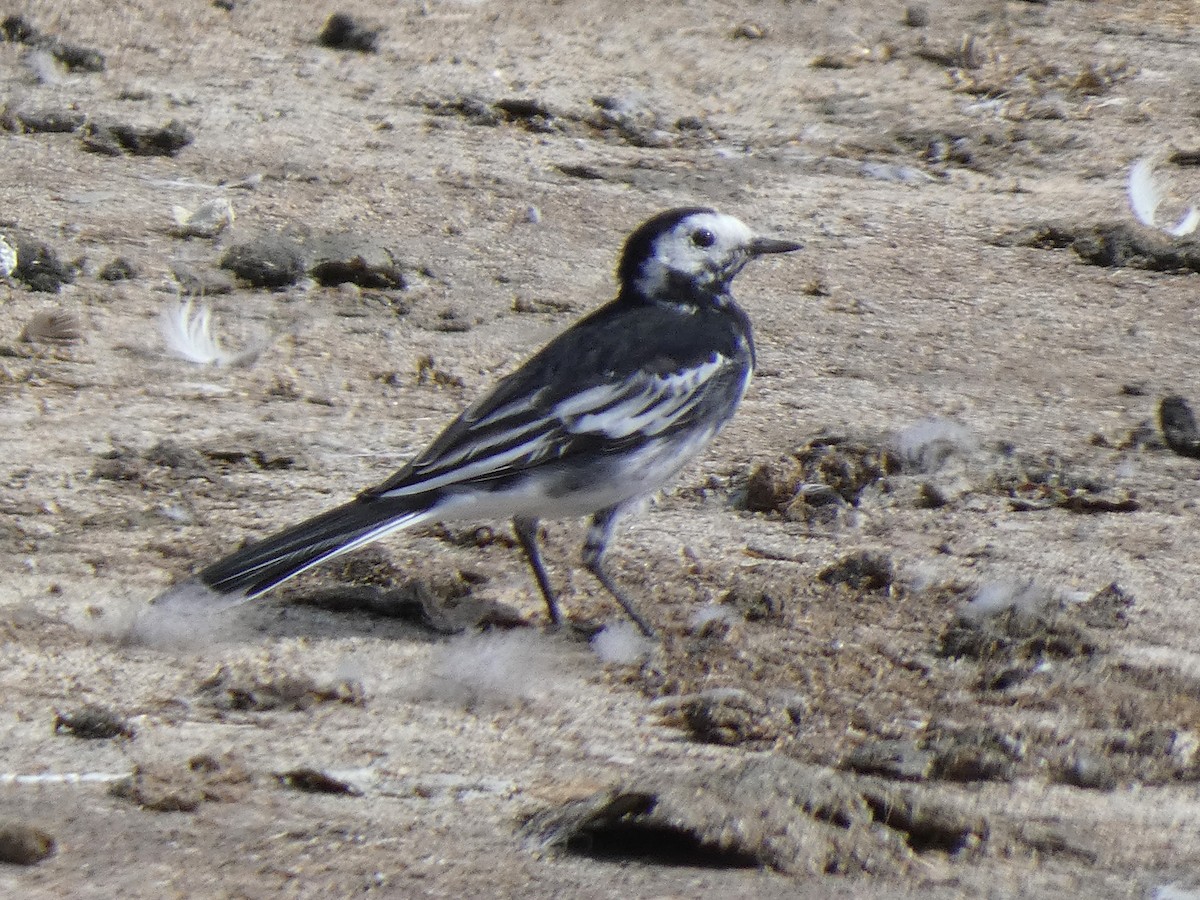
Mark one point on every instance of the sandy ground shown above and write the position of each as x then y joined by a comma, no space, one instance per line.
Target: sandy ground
902,155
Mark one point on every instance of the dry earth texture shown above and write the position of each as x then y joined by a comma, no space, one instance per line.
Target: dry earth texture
928,607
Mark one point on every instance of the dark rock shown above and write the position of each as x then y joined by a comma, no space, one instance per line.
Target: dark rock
1178,426
118,464
98,139
314,781
966,754
475,110
419,601
116,138
522,108
119,269
1123,244
1107,608
270,261
727,716
899,759
160,790
632,121
767,489
1189,157
527,112
93,723
54,121
927,823
579,170
755,603
1015,636
234,689
185,462
24,845
771,812
1113,245
1053,841
182,788
863,571
1041,236
339,258
201,282
39,266
916,15
76,58
751,31
930,496
343,32
1087,770
256,452
17,29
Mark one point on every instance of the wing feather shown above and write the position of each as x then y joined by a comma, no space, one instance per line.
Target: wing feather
524,432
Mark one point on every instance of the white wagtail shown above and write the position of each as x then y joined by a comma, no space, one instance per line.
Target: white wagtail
601,418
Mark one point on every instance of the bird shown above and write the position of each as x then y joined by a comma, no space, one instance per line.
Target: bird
602,417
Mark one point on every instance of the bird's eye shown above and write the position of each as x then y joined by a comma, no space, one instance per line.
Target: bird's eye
702,237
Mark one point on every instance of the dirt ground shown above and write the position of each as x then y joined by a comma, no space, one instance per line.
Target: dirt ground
953,411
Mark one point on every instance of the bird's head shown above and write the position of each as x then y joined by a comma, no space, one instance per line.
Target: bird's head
689,255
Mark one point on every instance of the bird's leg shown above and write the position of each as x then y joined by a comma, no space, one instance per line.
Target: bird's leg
593,559
527,534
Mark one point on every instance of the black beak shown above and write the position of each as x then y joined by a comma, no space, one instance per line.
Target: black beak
761,245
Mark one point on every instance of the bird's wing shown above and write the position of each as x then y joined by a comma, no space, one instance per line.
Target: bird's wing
600,402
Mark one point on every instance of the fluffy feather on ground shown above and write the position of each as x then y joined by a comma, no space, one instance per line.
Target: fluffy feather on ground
187,329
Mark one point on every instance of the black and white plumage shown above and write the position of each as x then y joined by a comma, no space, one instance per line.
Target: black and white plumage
599,419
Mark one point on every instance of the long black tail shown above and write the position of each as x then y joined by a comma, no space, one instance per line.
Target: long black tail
273,560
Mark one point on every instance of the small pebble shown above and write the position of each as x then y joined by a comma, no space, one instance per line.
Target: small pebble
916,15
24,845
750,31
343,32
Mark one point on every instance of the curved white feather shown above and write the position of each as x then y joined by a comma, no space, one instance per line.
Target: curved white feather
187,330
1145,198
1187,224
1143,192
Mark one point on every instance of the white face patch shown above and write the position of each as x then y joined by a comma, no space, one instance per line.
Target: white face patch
683,250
